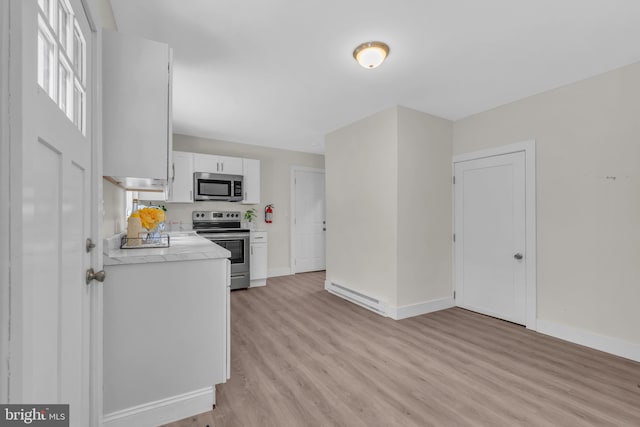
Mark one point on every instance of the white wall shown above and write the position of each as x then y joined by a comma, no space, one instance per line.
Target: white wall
588,186
361,163
389,208
424,207
275,170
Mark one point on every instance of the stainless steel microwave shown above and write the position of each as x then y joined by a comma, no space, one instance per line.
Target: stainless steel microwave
217,186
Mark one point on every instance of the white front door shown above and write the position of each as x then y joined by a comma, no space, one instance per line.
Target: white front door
308,221
490,236
52,123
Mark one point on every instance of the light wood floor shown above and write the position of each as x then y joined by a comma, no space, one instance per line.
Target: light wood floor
303,357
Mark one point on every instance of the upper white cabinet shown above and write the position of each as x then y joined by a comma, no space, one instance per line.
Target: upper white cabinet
181,181
137,131
251,181
217,164
248,168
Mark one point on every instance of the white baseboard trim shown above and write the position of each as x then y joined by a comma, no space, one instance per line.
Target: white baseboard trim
411,310
163,411
258,283
604,343
277,272
355,297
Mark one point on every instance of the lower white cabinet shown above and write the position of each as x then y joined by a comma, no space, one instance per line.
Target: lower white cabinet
165,339
258,260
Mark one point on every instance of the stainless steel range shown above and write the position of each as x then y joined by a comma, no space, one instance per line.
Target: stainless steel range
223,228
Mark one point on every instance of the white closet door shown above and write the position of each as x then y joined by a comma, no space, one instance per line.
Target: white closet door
490,236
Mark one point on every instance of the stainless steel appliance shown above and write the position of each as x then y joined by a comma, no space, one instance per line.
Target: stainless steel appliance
217,186
223,228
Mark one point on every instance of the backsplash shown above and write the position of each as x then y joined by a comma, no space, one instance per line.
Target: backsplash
179,214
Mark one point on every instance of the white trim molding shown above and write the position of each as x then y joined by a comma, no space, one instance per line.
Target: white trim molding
358,298
590,339
380,307
411,310
277,272
163,411
5,203
529,149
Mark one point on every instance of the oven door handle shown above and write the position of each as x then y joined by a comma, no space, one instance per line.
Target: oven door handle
224,236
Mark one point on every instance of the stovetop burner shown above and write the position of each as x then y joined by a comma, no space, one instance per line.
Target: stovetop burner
217,222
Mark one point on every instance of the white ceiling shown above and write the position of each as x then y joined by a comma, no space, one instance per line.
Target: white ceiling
280,73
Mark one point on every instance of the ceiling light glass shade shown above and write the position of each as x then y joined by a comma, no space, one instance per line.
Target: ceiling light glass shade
371,54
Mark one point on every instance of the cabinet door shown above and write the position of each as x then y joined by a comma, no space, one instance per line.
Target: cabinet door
258,261
181,188
205,163
230,165
251,182
136,112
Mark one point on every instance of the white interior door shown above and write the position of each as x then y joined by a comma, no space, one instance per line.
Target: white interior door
52,110
490,236
308,221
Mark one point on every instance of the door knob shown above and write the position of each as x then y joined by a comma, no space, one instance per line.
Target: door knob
92,275
518,256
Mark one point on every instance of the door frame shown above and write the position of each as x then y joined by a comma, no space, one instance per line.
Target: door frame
292,217
529,149
96,309
11,328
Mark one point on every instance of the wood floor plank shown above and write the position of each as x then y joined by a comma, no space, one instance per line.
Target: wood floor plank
303,357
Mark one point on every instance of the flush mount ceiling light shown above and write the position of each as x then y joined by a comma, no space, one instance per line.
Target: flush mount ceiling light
371,54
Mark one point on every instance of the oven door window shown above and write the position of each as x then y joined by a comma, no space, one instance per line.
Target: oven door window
213,187
236,247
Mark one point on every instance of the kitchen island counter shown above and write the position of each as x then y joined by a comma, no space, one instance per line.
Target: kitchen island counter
184,246
165,330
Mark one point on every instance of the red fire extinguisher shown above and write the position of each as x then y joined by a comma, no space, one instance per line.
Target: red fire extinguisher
268,214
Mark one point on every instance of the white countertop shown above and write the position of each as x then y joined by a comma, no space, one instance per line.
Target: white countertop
185,246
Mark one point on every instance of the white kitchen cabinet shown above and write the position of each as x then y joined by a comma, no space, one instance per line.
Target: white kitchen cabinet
180,186
258,260
251,181
230,165
205,163
143,343
217,164
137,116
181,182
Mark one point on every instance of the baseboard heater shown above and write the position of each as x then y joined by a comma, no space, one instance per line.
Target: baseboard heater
356,297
